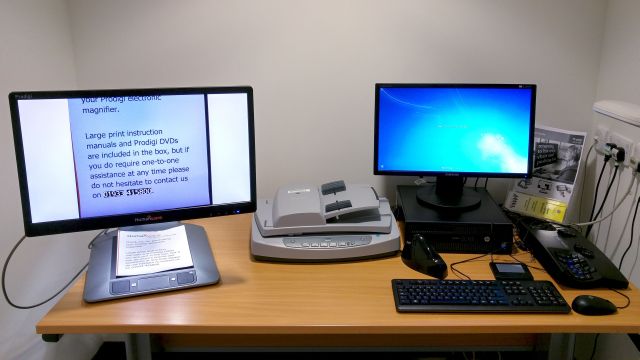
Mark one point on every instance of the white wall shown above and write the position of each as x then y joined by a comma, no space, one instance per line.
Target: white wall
313,64
36,54
619,76
619,79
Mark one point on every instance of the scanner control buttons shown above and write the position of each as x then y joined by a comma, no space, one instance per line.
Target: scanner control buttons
327,242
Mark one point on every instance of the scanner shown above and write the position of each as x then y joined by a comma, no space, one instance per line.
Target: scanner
336,221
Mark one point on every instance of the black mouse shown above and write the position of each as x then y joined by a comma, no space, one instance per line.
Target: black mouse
592,305
419,255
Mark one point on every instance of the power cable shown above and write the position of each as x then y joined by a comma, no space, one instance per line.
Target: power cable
633,221
604,200
615,208
26,307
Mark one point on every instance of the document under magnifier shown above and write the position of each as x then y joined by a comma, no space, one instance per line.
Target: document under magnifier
103,283
333,222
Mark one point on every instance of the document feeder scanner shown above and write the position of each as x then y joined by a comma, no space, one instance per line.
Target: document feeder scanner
335,222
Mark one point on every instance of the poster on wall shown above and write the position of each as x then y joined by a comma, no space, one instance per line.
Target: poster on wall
556,163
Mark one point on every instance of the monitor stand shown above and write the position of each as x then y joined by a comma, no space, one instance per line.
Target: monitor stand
449,194
101,282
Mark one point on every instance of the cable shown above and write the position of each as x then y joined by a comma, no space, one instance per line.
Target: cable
584,174
604,200
615,208
475,185
606,194
595,346
26,307
452,266
595,340
523,263
633,221
595,197
623,295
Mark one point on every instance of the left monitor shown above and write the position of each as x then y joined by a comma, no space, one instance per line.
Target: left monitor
139,160
93,159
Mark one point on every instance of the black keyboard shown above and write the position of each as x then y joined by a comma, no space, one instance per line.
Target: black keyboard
536,296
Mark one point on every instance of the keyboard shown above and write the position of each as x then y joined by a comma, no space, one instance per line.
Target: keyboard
536,296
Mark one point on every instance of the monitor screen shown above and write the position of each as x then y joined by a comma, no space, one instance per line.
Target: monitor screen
93,159
454,130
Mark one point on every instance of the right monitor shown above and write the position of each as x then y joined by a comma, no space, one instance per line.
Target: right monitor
454,131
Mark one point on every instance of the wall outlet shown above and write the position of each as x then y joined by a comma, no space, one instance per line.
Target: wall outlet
623,142
602,133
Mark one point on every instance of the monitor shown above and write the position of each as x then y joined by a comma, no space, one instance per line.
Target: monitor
134,158
454,131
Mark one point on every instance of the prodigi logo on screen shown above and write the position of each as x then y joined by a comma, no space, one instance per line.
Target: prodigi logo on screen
148,218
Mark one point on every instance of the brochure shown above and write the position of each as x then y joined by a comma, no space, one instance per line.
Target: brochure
556,163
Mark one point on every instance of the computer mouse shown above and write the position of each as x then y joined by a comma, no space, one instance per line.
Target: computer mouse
592,305
419,255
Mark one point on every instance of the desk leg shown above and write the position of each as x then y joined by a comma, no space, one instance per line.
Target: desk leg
561,346
138,347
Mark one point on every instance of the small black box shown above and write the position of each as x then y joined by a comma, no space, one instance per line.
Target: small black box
481,230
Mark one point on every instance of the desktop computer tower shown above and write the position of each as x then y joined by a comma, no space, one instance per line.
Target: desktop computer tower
481,230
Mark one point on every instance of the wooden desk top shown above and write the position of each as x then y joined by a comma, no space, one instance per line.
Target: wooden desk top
256,298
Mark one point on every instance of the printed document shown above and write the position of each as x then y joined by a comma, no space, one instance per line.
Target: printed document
547,193
146,252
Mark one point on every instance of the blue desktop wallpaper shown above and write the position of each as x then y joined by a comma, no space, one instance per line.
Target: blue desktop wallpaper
461,130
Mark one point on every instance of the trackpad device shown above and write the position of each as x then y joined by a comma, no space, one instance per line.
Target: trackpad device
152,283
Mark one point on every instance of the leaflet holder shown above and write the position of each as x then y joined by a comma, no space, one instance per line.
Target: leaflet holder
333,222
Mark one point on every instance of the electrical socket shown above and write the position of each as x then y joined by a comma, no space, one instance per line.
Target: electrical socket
625,143
602,133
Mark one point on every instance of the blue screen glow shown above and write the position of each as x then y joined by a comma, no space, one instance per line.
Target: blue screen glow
454,129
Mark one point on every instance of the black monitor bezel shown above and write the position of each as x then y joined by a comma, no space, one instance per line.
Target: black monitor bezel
105,222
379,86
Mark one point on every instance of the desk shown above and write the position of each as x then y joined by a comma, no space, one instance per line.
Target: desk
332,305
